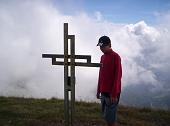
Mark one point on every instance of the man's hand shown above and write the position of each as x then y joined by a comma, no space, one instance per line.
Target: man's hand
113,99
98,95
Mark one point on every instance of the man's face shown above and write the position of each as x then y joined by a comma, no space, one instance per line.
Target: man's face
104,48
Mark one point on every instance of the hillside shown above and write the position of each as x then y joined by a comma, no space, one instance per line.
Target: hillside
42,112
133,95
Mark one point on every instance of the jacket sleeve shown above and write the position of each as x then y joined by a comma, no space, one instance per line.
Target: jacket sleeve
116,89
98,87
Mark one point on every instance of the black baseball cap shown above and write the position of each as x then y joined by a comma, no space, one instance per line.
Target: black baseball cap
104,41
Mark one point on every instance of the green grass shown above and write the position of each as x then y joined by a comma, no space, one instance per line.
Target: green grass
42,112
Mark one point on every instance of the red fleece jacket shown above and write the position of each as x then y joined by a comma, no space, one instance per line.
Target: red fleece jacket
110,74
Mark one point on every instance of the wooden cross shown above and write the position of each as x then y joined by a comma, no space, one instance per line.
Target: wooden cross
69,81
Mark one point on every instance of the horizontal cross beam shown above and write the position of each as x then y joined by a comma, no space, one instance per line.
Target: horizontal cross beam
77,64
88,57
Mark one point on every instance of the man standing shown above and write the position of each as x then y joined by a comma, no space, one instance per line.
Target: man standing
109,83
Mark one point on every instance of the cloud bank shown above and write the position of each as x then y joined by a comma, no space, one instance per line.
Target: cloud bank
29,28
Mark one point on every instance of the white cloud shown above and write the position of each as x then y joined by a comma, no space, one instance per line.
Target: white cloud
143,30
98,15
29,29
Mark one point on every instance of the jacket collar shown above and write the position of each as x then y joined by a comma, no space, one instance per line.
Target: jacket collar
109,51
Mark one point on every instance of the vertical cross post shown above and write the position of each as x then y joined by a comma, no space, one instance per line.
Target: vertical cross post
69,81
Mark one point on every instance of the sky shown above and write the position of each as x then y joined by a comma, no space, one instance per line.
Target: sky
117,11
139,32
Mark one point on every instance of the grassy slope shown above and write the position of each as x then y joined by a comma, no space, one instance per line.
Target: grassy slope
42,112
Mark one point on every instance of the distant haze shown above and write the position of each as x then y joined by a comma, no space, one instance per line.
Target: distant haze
29,28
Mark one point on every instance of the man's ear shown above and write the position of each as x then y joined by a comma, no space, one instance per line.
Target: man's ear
109,44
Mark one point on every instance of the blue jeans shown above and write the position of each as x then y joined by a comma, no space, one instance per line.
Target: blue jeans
109,109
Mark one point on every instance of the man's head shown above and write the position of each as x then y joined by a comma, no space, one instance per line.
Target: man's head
104,43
